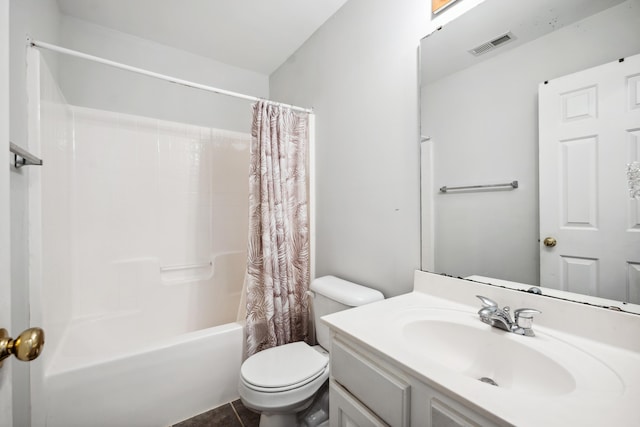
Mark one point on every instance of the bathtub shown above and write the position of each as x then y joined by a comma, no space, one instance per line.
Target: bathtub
173,354
158,386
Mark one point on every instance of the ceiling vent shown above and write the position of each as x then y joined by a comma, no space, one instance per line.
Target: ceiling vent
490,45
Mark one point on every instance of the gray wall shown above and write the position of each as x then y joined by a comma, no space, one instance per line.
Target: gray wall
359,73
39,19
94,85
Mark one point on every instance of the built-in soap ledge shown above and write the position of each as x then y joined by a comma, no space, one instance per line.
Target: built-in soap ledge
176,273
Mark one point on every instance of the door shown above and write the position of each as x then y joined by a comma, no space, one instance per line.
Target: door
589,125
6,418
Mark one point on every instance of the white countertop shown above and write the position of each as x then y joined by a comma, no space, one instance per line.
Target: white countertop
615,342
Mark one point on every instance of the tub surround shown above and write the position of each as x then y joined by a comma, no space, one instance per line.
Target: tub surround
597,347
137,266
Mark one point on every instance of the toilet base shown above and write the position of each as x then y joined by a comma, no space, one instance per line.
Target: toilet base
312,413
278,420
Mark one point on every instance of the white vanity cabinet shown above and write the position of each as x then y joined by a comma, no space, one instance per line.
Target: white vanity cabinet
425,359
367,391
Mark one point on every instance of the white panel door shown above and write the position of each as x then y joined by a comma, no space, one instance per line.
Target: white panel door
589,125
6,418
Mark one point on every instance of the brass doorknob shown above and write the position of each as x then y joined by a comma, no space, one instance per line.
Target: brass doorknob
550,242
26,347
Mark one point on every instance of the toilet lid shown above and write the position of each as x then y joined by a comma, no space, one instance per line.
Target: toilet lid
283,366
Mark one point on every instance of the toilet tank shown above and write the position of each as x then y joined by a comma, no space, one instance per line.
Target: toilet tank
332,294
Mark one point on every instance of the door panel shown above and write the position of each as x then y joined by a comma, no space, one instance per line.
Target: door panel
634,154
589,125
579,275
579,177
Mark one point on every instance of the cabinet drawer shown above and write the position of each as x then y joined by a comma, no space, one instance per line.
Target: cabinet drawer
382,392
346,411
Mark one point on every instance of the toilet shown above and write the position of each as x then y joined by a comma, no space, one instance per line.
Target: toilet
283,381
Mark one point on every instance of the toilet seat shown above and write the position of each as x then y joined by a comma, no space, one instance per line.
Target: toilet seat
283,368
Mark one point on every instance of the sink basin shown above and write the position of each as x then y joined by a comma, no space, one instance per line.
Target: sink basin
488,355
541,365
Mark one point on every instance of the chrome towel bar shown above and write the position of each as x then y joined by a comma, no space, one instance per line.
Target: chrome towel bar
512,184
23,157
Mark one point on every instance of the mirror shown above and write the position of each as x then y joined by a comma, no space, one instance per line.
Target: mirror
480,126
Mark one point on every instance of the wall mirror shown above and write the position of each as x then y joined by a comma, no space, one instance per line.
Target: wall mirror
485,112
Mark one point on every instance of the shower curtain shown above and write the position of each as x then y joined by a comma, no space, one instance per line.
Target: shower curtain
278,248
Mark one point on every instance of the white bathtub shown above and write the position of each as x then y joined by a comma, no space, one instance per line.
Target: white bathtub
159,386
175,354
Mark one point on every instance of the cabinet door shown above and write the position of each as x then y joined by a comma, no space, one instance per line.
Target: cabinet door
347,411
372,383
444,416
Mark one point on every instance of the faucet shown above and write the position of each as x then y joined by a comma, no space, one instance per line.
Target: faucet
500,318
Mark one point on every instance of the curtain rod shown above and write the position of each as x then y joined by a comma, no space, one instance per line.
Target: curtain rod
43,45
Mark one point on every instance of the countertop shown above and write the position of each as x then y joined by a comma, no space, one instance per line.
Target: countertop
615,402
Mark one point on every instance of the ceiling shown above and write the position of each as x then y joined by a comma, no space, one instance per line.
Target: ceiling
527,20
257,35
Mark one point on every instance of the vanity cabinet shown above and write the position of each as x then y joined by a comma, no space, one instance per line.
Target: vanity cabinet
380,388
368,391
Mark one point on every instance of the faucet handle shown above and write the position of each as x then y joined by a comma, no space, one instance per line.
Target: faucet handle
489,308
524,319
526,313
488,303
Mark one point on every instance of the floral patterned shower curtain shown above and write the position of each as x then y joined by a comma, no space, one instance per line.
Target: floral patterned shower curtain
278,249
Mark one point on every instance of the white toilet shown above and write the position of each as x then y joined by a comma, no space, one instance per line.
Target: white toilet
282,381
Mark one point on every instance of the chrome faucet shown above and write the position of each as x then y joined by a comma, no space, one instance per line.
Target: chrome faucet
498,317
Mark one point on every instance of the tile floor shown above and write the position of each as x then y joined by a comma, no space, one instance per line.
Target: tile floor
232,414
